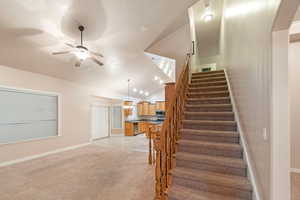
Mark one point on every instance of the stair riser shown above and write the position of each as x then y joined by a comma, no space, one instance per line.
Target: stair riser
198,185
209,109
220,75
217,101
208,95
212,167
207,138
203,80
217,89
209,84
209,117
213,127
210,151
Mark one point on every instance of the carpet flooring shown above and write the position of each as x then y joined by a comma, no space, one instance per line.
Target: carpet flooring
110,169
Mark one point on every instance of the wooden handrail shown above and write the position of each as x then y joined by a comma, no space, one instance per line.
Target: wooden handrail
166,140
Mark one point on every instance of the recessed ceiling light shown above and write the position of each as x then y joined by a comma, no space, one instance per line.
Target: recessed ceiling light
141,92
208,17
156,78
146,93
134,90
161,82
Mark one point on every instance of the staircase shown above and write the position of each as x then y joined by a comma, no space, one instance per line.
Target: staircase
209,159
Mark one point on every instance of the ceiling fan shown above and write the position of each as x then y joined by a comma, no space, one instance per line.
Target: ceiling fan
81,52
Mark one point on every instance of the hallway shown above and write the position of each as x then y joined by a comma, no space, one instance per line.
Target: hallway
113,168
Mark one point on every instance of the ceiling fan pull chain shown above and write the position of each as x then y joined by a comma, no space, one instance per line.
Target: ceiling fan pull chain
81,38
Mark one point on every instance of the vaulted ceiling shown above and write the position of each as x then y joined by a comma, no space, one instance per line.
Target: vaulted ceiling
121,30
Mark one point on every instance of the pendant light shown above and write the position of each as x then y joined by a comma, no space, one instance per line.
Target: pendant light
128,103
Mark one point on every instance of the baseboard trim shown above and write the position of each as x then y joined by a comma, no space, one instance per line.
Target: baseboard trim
4,164
254,182
295,170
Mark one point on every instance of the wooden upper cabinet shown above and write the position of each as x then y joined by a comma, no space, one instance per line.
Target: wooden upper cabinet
163,106
148,109
152,108
140,108
160,105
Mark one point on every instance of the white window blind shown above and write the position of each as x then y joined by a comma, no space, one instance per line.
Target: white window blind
27,115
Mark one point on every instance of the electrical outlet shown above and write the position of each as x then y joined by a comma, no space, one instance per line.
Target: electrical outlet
265,134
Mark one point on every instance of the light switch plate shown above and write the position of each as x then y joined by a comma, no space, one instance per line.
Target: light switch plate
265,134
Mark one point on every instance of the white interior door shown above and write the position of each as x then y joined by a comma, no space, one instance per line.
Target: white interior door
100,122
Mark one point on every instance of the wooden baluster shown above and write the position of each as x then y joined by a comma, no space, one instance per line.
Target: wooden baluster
149,130
165,140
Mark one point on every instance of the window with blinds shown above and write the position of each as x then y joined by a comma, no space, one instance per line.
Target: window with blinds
27,115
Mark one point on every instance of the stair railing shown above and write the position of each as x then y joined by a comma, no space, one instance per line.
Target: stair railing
166,140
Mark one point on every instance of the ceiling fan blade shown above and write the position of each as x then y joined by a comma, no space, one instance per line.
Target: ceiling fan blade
96,54
97,61
61,52
70,45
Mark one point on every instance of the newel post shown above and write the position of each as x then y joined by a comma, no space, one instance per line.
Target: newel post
169,93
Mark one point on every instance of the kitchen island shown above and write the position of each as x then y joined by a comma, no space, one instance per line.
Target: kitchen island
136,127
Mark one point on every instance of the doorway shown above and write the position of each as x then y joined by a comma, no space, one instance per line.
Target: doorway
100,122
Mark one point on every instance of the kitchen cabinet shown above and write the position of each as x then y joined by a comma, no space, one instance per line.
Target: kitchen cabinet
148,109
143,108
140,109
129,129
143,127
152,109
127,111
160,105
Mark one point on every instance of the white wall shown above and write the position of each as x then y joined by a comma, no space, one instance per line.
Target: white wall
246,48
75,106
294,89
175,46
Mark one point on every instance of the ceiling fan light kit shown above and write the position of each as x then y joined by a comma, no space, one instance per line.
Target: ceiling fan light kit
81,52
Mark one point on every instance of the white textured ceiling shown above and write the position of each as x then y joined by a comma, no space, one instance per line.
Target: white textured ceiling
121,30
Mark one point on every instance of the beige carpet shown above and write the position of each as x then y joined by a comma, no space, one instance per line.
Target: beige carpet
109,170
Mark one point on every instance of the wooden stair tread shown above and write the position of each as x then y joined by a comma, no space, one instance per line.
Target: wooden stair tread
179,192
214,160
215,145
224,180
211,132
